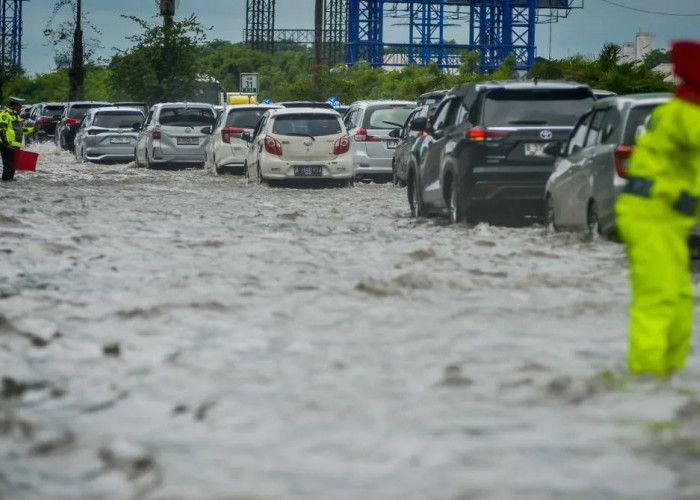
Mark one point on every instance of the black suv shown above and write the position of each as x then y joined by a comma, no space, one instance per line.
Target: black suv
44,117
483,157
70,121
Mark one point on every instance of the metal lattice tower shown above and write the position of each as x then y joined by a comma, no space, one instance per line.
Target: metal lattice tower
335,31
496,29
260,24
11,36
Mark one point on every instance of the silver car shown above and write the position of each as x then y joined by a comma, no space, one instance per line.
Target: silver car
108,135
226,151
175,134
369,124
591,170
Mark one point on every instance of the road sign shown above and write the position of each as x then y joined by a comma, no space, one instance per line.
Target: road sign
249,83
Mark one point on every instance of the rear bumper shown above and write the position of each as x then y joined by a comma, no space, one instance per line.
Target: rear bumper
369,166
272,168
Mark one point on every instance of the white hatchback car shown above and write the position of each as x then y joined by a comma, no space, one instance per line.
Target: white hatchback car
226,151
299,143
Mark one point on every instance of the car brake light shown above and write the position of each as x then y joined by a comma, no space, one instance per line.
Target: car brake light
73,121
342,145
273,146
43,121
622,159
362,136
481,134
156,133
226,133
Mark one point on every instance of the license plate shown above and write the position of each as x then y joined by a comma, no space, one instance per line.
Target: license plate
188,141
119,140
308,171
392,143
535,149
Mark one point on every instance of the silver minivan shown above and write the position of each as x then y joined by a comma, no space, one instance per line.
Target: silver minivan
369,124
175,134
107,135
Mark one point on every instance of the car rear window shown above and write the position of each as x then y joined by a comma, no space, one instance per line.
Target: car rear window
244,118
536,107
307,124
79,110
388,117
53,111
117,119
636,118
186,117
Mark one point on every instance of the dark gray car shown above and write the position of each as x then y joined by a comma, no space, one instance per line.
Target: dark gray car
591,171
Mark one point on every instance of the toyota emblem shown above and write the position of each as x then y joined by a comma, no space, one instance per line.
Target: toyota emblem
546,135
189,129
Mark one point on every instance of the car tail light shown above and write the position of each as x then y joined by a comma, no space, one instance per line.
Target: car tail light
362,136
342,145
481,134
622,159
43,121
156,132
226,133
273,146
73,121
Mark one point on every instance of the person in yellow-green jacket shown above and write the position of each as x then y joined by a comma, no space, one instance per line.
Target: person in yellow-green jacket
655,215
11,135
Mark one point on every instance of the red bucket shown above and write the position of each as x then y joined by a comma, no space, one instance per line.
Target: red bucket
25,160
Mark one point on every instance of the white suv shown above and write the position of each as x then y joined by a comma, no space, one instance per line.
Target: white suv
299,143
226,150
369,124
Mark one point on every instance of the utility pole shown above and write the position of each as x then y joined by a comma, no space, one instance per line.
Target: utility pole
318,50
167,10
76,72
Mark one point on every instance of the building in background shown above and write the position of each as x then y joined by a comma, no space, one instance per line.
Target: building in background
633,52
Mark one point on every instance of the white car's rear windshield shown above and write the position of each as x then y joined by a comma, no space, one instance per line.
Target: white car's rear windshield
124,119
307,124
244,118
186,117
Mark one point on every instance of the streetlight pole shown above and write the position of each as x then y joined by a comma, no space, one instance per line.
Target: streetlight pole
318,40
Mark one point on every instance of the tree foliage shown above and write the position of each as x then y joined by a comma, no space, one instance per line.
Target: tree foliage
163,64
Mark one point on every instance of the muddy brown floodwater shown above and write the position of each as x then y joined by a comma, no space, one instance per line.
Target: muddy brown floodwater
178,335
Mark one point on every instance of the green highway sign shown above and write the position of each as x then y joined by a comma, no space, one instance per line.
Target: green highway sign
249,83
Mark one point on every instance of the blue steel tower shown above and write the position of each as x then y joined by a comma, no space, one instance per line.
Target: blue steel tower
11,36
496,28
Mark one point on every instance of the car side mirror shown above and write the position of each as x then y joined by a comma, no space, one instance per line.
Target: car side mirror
246,137
136,126
418,124
553,148
206,130
395,133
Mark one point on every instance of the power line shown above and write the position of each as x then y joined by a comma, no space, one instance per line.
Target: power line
650,11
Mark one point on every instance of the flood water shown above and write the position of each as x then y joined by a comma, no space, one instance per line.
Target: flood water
180,335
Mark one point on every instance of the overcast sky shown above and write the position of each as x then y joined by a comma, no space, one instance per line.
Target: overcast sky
584,31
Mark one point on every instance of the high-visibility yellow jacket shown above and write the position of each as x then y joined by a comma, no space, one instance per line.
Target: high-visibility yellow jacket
11,133
669,151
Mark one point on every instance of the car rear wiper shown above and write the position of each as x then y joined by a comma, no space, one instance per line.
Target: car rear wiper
302,135
528,122
394,124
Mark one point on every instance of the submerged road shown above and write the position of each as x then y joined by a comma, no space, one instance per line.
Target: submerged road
178,335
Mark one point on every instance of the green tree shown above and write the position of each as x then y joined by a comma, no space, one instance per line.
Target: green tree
163,64
656,57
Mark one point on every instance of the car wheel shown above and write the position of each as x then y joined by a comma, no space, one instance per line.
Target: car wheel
349,182
394,178
549,217
415,200
592,222
456,204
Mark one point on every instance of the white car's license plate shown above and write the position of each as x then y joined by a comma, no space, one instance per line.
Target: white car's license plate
392,143
535,149
308,170
188,141
119,140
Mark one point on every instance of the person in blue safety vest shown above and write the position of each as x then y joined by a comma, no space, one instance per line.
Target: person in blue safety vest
11,135
655,216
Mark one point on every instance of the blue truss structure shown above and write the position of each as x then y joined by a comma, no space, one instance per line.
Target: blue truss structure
496,29
11,36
